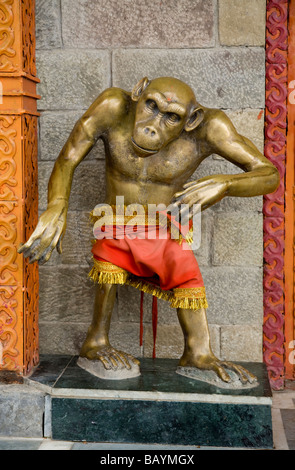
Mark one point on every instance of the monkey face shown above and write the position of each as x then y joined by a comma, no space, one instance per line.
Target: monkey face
165,107
158,121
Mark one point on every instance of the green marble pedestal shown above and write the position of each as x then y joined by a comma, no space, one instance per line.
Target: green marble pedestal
158,407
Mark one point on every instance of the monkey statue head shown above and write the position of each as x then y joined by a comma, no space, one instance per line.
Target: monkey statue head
165,107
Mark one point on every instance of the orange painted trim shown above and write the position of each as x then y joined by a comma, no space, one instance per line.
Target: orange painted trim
289,204
19,282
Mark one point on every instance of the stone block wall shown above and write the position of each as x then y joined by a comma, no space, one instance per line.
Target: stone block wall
217,47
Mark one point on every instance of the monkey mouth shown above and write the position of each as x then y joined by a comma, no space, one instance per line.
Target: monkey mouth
141,149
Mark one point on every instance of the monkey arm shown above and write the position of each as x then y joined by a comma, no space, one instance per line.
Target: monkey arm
260,175
101,115
76,148
52,223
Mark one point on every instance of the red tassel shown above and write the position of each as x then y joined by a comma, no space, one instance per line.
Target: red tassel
141,320
154,321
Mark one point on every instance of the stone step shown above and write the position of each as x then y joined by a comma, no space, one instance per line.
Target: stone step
158,407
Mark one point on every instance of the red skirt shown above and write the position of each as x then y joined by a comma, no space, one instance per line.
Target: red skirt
163,267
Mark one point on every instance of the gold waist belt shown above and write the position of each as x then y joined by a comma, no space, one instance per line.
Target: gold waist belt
116,215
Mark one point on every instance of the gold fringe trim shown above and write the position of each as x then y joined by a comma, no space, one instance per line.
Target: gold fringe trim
192,304
104,272
149,288
190,298
107,278
188,238
192,292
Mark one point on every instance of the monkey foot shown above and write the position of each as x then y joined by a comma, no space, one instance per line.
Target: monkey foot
210,377
109,364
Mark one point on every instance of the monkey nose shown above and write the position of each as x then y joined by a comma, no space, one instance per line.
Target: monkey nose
147,130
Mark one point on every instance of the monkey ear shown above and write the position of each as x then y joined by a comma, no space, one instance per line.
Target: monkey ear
139,88
195,119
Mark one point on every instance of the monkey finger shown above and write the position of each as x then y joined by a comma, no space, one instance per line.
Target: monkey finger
118,359
174,207
133,359
33,238
21,247
196,208
174,198
105,361
59,246
244,374
198,184
184,213
46,255
222,374
199,206
123,359
251,377
114,360
45,248
238,371
31,250
38,241
179,194
190,193
44,258
48,252
39,250
181,200
184,193
35,257
26,246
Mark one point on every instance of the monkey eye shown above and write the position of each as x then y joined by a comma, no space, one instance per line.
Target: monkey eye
173,118
151,105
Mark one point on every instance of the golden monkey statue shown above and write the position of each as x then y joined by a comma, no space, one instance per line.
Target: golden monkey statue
155,138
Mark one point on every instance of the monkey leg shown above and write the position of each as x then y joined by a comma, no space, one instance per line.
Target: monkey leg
197,349
97,345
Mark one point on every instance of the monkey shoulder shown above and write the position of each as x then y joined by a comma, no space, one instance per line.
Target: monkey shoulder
217,127
116,101
109,108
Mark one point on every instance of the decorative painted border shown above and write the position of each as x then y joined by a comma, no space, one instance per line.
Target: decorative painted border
290,207
274,204
19,348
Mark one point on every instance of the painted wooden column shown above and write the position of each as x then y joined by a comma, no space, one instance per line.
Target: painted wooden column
18,186
274,204
290,205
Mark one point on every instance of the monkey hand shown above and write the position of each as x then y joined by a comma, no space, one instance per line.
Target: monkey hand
202,194
48,233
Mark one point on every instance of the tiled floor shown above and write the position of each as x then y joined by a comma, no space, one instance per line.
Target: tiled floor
283,416
283,413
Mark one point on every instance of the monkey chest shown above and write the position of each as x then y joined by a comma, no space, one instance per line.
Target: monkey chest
165,166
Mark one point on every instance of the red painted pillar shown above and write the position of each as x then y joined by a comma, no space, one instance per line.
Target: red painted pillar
274,204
